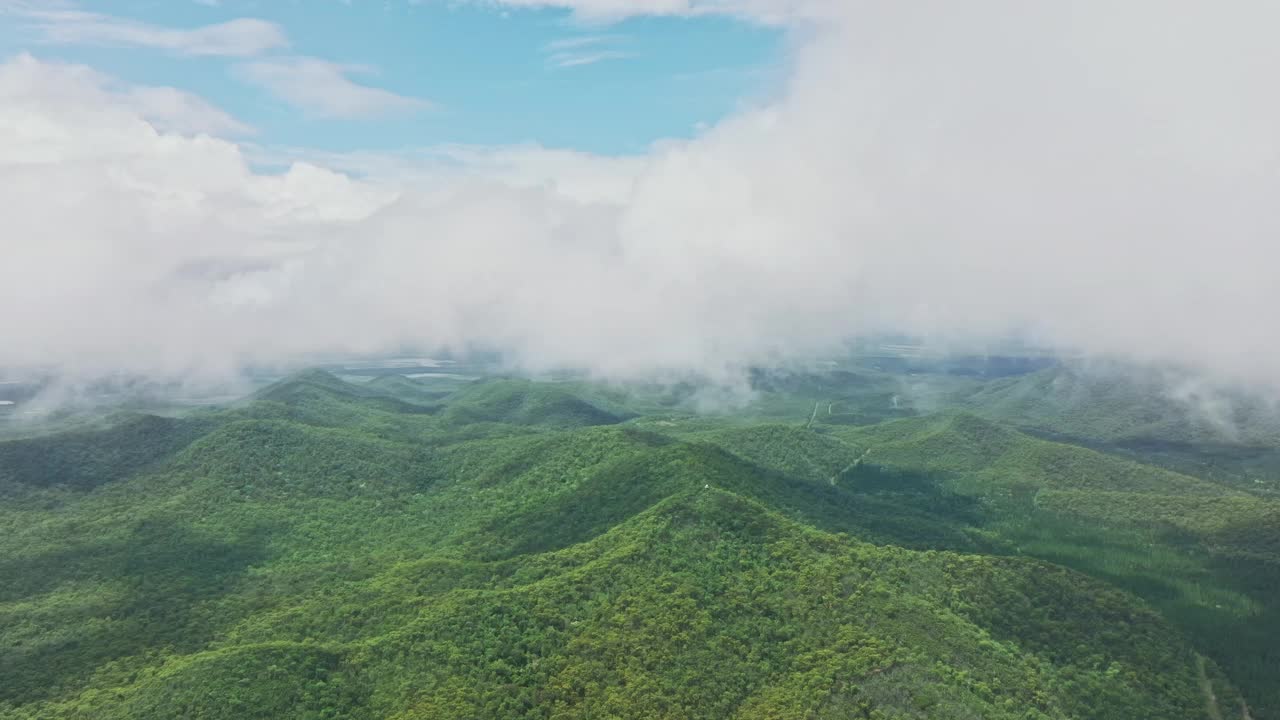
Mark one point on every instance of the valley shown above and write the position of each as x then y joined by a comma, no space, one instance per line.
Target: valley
850,543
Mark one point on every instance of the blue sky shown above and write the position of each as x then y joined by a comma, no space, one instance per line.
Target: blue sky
469,73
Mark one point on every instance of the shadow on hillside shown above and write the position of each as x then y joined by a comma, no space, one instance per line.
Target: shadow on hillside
162,577
85,459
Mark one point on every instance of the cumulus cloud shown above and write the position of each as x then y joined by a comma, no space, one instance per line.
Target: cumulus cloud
36,93
579,176
325,88
1097,177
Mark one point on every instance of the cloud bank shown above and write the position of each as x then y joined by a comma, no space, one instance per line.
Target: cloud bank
1099,178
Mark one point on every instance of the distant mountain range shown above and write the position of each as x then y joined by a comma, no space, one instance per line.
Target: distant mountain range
850,543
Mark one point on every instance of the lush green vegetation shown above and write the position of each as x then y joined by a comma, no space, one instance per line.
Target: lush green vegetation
1119,404
1206,553
385,549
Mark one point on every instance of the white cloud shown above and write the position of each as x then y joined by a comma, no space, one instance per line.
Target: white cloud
583,50
61,24
112,225
325,88
173,110
578,176
31,88
580,41
579,59
1096,176
764,11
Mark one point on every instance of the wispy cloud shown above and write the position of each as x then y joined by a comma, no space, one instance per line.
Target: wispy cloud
27,81
568,59
583,50
63,24
326,88
580,41
171,109
772,12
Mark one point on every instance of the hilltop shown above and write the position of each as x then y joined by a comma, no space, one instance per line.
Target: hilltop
1119,405
522,549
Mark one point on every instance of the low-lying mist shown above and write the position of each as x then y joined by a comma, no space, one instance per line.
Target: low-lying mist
1096,178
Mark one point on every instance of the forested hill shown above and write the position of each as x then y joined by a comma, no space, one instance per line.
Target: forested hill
519,549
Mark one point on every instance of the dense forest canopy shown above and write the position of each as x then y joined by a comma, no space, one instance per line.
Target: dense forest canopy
849,544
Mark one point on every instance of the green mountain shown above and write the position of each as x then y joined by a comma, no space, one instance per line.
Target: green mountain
319,398
524,402
1206,553
1119,405
537,550
85,458
399,386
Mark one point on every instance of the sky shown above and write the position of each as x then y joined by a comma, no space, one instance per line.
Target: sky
374,74
637,186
